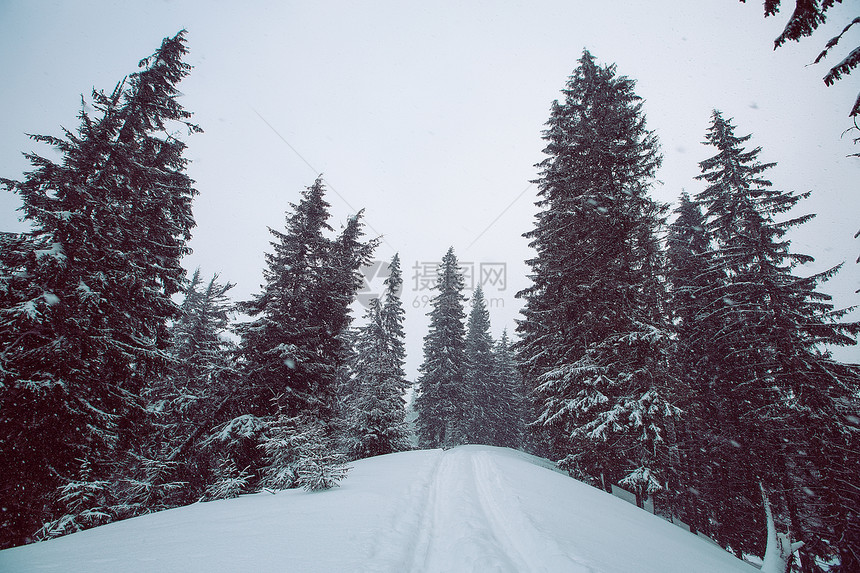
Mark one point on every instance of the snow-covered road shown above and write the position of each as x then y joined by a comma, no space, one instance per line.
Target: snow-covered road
471,508
473,521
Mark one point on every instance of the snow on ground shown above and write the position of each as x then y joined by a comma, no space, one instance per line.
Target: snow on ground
472,508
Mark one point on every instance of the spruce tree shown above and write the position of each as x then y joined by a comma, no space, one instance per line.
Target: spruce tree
439,401
691,272
377,409
283,369
393,315
192,397
481,400
508,386
593,339
349,254
87,292
294,350
688,250
780,395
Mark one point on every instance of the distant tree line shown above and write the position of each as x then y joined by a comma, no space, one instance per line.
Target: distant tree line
469,390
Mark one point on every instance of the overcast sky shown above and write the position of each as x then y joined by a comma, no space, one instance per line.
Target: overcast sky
429,116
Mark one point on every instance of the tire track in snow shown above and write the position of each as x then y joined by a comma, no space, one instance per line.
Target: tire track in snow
394,546
424,534
526,544
454,534
457,533
462,516
497,519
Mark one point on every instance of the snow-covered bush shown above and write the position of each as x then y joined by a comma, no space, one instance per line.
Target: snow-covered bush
231,482
301,454
321,473
88,504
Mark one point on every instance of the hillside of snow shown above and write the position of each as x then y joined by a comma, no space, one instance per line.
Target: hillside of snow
472,508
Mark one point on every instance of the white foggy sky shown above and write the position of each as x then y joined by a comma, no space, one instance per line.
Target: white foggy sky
429,115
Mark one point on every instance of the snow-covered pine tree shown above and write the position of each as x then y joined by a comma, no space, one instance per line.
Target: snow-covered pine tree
735,189
301,452
293,352
690,268
198,346
192,397
593,341
349,254
780,396
439,400
377,415
228,480
375,406
279,348
508,385
90,503
691,272
235,446
393,315
481,400
87,302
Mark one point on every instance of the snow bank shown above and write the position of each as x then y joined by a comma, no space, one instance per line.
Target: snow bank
472,508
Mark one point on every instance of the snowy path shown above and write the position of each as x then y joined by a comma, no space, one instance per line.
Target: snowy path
457,524
473,523
472,508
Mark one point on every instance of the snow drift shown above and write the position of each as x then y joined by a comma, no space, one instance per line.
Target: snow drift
472,508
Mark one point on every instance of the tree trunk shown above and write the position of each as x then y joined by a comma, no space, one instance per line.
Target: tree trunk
780,549
607,485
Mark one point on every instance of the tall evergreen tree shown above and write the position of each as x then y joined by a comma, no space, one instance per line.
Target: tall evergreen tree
688,249
439,402
87,293
481,400
508,386
593,342
780,396
349,254
376,405
279,349
691,272
377,421
294,350
192,397
393,315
